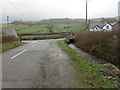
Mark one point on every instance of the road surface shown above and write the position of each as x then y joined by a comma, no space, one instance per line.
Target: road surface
38,64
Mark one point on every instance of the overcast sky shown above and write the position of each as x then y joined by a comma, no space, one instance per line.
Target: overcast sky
44,9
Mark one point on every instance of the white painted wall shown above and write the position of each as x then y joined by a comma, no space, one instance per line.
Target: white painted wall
108,27
96,28
91,29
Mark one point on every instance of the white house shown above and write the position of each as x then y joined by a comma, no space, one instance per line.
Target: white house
95,27
101,27
107,27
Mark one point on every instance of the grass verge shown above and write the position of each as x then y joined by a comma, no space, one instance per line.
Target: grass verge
7,46
88,76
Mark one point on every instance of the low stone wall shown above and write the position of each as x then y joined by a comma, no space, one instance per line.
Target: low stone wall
41,38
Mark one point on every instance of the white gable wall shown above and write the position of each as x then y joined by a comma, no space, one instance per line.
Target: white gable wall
108,27
91,29
96,28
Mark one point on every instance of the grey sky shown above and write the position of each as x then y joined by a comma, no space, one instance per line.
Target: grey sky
44,9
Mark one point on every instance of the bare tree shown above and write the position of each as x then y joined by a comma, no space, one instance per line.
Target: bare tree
50,27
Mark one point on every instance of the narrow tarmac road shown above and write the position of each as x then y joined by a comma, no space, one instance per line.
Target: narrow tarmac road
38,64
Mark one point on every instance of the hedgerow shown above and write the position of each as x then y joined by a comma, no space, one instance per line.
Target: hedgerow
104,45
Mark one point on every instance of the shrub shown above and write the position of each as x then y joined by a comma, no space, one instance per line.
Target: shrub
103,45
9,38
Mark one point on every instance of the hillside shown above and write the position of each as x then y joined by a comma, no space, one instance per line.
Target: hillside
53,21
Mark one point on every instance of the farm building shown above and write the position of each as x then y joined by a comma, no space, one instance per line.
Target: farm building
103,27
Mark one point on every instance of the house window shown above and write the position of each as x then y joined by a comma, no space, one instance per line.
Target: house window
107,27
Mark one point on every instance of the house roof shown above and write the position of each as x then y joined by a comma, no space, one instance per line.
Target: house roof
107,23
114,23
91,26
116,26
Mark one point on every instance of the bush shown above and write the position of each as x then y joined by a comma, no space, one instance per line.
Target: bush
9,38
103,45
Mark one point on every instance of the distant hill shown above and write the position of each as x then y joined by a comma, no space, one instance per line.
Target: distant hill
53,21
104,20
68,21
63,21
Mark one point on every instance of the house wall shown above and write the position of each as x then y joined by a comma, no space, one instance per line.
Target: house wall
108,29
91,29
96,28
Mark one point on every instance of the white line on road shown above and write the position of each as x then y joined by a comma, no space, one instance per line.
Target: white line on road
18,54
34,45
34,41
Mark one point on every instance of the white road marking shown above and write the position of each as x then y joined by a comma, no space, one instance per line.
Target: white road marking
34,45
18,54
34,41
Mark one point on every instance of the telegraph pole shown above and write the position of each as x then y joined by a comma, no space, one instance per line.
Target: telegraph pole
8,21
119,11
86,12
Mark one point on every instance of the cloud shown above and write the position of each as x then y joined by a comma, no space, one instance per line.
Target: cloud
42,9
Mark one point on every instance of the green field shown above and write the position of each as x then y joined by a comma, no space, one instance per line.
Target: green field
41,28
33,29
57,27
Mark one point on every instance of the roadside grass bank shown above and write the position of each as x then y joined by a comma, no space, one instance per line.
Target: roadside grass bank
7,46
88,75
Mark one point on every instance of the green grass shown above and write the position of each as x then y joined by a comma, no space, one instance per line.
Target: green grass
41,28
75,27
7,46
17,27
88,75
0,28
33,29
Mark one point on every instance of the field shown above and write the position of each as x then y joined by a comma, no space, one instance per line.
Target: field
40,28
57,27
33,29
45,27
